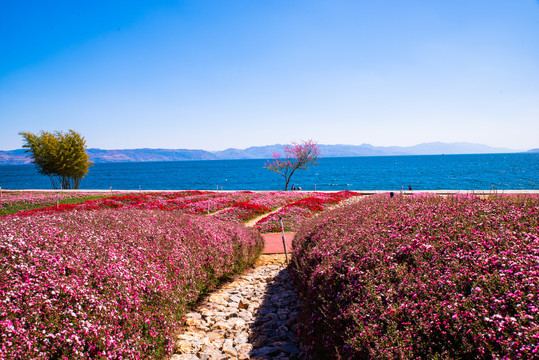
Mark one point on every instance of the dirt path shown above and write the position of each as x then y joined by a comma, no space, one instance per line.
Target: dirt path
218,211
253,222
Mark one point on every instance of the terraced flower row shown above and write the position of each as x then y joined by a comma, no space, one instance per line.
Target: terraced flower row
187,201
263,203
12,202
109,284
422,277
194,202
295,213
238,206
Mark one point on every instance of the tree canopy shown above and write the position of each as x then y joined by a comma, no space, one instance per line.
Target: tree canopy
297,156
62,157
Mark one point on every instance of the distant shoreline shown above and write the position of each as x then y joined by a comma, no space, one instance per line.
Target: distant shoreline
29,162
20,156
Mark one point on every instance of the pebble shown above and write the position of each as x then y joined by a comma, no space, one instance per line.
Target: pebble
253,317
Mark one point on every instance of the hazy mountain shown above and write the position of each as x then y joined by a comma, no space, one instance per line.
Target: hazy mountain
143,155
455,148
360,150
254,152
17,157
263,152
534,150
232,154
14,157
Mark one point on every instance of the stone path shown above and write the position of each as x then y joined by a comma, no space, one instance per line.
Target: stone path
252,317
253,221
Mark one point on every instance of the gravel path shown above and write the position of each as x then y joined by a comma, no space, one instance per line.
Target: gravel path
252,317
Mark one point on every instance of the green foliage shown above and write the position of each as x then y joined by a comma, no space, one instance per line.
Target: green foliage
62,157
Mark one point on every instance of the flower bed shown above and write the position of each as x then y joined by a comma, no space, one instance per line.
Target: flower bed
223,201
242,211
257,204
294,214
184,201
179,201
189,202
14,202
275,199
422,277
109,284
97,202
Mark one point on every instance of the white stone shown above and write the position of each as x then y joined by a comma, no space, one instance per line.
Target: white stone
223,327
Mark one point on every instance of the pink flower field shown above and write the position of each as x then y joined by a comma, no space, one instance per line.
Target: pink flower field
242,211
295,213
184,201
110,277
258,204
189,202
109,284
422,277
14,201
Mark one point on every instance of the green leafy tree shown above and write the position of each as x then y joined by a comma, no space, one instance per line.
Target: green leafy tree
298,156
62,157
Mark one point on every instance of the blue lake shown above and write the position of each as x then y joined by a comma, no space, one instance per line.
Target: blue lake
429,172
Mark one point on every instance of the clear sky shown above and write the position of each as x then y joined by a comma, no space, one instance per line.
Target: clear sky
216,74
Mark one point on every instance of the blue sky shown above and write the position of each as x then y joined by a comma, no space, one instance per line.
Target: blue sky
217,74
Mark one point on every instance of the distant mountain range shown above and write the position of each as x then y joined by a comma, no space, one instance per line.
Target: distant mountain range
17,157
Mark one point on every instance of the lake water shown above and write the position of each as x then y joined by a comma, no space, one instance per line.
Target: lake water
429,172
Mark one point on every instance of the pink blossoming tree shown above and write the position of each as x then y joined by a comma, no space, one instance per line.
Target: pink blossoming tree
297,156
